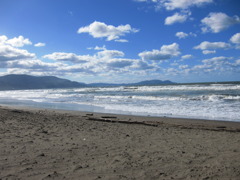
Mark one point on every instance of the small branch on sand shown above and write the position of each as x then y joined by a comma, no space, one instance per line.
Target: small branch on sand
123,122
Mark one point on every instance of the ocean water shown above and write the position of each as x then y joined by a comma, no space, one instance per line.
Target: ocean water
200,101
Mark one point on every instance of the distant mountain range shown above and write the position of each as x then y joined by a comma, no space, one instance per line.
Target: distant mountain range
142,83
20,82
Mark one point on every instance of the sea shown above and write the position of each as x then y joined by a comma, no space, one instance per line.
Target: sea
211,101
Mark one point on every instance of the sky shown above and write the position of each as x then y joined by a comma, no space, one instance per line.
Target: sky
121,41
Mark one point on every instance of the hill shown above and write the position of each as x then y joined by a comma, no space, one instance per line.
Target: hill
142,83
20,82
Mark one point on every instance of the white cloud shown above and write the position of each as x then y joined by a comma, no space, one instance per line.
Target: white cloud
183,35
172,71
177,4
19,41
182,4
102,30
141,0
98,48
121,40
208,52
217,22
235,38
144,65
33,64
39,44
3,39
110,54
183,66
69,57
237,62
119,63
212,45
76,68
220,60
176,18
9,53
187,56
215,64
101,57
165,52
36,67
102,62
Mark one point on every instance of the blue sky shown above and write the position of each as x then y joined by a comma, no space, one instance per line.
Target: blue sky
121,40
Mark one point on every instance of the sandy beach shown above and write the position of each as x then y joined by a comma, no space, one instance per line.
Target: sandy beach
51,144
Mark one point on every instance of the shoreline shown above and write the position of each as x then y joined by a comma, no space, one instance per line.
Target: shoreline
139,117
96,110
39,143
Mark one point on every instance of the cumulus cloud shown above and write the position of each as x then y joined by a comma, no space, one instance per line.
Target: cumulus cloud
110,32
144,65
119,63
97,48
33,64
38,67
110,54
235,38
183,35
237,62
183,66
102,62
9,53
121,40
140,0
176,18
76,59
19,41
216,60
215,64
69,57
165,52
39,44
17,60
177,4
217,21
208,52
3,39
212,45
182,4
187,56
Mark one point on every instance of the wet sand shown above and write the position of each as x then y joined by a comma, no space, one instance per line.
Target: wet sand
50,144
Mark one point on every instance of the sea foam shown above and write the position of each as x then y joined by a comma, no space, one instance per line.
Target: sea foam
207,101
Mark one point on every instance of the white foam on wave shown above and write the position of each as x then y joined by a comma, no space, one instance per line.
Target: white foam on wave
202,111
214,101
210,97
211,87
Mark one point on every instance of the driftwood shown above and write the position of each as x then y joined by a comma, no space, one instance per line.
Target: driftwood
109,117
156,124
123,122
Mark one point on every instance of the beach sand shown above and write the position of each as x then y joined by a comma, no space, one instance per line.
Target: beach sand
51,144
